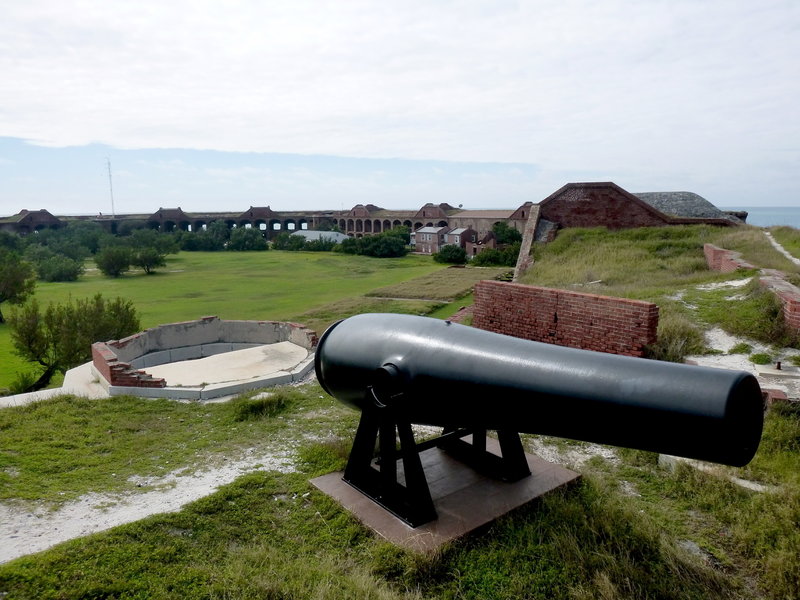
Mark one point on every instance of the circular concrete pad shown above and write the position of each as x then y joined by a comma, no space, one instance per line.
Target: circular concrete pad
231,366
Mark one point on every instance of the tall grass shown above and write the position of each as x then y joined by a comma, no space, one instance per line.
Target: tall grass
755,248
636,263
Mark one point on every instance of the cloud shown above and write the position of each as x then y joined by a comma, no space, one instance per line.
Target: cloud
679,90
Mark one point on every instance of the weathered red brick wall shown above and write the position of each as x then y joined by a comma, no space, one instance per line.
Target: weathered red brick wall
120,373
724,261
787,293
599,205
566,318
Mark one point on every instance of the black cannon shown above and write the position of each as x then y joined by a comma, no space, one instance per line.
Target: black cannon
401,369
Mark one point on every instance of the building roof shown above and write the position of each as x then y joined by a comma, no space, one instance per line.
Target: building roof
458,231
683,204
484,214
312,234
430,229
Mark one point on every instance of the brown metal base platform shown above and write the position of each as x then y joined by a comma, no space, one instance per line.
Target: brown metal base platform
464,499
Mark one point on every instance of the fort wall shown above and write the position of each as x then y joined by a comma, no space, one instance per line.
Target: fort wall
566,318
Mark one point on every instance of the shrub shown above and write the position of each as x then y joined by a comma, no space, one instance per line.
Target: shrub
677,338
249,409
113,260
741,348
287,241
61,337
760,358
491,257
148,259
451,254
383,245
243,239
59,268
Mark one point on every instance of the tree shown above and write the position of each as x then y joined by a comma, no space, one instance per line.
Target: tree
17,279
85,233
51,266
148,259
402,232
243,238
113,260
505,234
451,254
163,243
61,337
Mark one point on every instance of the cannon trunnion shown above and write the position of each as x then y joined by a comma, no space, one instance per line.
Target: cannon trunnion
402,369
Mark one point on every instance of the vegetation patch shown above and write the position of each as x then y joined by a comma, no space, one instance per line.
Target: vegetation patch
751,311
741,348
677,337
446,284
760,358
68,446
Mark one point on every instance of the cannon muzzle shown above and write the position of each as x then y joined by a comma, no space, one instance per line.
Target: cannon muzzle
439,373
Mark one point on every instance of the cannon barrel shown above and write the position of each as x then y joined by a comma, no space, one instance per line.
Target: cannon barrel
439,373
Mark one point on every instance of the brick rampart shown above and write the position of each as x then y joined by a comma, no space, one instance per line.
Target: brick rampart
724,261
566,318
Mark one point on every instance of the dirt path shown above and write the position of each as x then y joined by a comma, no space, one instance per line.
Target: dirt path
780,248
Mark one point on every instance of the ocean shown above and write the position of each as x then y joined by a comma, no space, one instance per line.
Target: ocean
764,216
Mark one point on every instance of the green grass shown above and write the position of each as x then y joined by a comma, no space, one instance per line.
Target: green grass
750,311
755,248
789,238
58,450
240,285
446,284
272,535
640,263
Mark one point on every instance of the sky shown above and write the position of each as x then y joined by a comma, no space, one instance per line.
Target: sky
212,105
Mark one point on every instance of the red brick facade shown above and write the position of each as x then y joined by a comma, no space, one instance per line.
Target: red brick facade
599,204
566,318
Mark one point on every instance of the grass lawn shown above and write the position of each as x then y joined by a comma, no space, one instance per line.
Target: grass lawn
270,285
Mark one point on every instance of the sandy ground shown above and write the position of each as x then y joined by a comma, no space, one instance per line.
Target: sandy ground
25,531
239,365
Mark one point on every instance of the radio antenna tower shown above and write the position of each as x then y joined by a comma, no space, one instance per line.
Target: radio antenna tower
110,187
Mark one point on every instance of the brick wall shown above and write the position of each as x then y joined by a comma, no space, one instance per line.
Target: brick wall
787,293
117,372
724,261
566,318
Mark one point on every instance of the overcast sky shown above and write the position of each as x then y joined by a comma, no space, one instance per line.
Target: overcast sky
222,105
